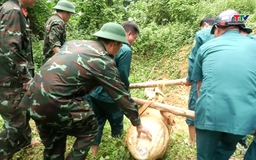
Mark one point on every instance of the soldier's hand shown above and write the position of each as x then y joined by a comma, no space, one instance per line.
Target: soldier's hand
142,129
26,85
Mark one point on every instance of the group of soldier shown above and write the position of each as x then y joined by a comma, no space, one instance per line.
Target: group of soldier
222,78
84,83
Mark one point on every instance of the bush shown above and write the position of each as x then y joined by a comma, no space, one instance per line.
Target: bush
159,42
37,46
38,15
97,12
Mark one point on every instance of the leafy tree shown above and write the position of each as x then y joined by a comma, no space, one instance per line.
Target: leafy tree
38,15
98,12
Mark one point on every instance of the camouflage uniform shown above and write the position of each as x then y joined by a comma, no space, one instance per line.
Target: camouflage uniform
55,36
56,97
103,105
16,61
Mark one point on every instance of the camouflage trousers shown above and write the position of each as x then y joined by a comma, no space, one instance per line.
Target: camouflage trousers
54,134
16,132
105,111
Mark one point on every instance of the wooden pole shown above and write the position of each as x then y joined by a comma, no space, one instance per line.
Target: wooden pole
165,107
150,84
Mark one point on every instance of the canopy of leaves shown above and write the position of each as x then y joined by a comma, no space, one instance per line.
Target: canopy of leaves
38,15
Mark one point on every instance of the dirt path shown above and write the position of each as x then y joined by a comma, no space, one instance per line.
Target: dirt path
178,97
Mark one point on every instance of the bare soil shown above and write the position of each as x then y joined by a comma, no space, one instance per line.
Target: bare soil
178,95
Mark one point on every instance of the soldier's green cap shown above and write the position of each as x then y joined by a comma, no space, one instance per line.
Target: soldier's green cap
112,31
64,5
247,29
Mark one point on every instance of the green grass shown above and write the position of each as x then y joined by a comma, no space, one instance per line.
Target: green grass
115,148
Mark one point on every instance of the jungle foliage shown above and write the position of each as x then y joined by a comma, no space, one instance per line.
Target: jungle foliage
166,25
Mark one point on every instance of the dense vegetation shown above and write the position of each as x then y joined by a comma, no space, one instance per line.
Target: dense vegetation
166,26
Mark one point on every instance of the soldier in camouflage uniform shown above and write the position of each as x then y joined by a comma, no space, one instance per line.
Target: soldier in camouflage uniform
103,105
55,29
56,100
16,62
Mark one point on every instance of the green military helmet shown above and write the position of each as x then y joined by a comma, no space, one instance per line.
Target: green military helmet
64,5
112,31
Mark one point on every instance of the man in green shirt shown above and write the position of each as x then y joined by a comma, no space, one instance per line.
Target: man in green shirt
103,105
251,151
201,37
224,70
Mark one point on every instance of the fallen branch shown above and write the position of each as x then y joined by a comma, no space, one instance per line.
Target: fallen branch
165,107
150,84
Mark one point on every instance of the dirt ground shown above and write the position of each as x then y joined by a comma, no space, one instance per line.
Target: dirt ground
178,96
175,95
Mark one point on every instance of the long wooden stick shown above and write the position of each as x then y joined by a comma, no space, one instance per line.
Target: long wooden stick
165,107
150,84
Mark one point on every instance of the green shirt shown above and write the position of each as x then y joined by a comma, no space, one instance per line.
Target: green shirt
201,37
123,63
251,36
226,66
